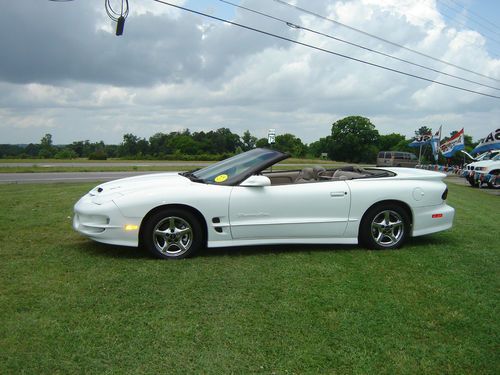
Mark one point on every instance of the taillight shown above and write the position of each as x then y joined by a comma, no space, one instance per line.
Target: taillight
445,194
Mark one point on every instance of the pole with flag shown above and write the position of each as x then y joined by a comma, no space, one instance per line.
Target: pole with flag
452,145
435,141
419,141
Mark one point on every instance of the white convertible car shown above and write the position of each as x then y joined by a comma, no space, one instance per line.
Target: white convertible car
238,201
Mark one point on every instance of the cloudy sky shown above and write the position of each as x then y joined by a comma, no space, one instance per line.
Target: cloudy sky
64,72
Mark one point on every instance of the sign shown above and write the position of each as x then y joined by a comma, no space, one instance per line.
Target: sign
271,136
490,142
421,140
453,144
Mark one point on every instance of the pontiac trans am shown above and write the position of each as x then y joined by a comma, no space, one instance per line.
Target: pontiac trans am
241,201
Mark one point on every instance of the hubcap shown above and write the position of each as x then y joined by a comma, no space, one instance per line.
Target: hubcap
172,236
387,228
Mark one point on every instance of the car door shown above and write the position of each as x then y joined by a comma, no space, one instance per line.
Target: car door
306,210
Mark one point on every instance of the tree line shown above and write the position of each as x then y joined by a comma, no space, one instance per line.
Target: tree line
352,139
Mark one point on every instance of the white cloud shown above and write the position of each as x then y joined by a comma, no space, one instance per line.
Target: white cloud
171,71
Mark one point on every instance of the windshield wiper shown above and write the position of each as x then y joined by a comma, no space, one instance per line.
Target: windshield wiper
191,175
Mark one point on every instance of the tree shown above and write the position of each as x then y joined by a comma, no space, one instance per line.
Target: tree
133,146
423,130
290,143
354,139
248,141
389,142
46,148
262,142
320,146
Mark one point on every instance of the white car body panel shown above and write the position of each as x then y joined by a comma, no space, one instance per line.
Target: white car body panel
327,212
290,211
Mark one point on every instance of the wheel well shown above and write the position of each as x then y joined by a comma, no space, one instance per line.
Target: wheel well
192,210
401,204
495,171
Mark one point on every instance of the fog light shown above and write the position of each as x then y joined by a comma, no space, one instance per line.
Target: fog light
131,227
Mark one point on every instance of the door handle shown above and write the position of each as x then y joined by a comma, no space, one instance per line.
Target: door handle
338,193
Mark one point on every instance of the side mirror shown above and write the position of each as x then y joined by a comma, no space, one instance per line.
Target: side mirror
256,181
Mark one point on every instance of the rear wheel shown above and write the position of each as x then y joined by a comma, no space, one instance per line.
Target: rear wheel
172,234
384,227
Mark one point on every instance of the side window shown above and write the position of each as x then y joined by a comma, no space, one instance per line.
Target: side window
398,155
381,154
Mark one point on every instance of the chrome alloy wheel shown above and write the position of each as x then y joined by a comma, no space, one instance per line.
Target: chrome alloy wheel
172,236
387,228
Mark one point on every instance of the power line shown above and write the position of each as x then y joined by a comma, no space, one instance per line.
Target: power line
476,21
477,15
458,36
296,26
464,25
323,49
382,39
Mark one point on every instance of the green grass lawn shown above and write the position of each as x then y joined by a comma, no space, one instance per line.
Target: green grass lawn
69,305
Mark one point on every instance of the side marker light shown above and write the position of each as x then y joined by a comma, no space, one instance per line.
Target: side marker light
131,227
437,216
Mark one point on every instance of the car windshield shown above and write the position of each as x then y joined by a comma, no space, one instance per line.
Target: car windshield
237,167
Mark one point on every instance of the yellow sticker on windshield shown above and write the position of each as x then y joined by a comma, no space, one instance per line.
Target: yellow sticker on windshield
221,178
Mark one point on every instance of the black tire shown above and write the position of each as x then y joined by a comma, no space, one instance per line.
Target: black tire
172,234
472,182
384,226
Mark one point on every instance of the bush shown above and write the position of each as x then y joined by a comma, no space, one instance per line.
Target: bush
98,155
66,154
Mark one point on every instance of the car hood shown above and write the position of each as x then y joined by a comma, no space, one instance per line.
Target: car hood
484,163
117,188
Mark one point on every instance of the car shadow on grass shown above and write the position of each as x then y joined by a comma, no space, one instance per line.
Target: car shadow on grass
125,252
274,249
113,251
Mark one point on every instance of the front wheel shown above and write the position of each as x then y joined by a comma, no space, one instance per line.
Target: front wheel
493,184
172,234
384,227
472,182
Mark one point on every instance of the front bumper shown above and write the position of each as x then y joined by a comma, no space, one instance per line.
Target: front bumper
105,223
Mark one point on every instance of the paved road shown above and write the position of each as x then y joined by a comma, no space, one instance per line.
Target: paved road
108,164
20,178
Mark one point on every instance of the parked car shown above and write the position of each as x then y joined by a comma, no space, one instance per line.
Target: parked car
484,171
239,202
484,156
396,159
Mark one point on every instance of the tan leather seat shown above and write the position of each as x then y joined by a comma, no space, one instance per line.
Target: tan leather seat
305,175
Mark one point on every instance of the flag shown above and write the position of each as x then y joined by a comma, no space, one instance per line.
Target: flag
436,139
453,144
491,142
421,140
